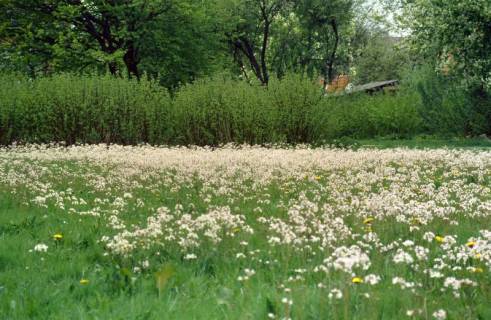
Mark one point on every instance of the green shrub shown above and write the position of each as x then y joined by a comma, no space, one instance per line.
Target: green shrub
449,106
95,109
85,109
365,116
219,111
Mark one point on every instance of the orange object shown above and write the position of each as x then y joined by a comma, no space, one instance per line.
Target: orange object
338,84
342,82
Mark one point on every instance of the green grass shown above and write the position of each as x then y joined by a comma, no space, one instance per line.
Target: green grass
419,142
36,285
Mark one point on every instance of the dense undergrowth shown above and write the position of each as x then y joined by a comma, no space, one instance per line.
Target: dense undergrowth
95,109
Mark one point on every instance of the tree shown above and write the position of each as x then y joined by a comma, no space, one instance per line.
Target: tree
323,22
248,29
311,38
455,30
171,38
382,57
115,26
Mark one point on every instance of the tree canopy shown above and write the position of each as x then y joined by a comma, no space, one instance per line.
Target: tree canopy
455,34
178,41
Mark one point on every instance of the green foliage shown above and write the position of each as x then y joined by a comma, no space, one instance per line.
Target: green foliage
221,111
447,106
174,41
380,59
361,116
456,32
85,109
313,38
94,109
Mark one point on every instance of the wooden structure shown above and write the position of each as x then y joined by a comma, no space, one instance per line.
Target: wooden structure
340,85
373,87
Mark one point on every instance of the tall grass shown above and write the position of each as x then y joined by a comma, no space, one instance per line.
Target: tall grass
84,109
95,109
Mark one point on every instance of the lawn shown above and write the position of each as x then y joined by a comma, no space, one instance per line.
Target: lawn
97,232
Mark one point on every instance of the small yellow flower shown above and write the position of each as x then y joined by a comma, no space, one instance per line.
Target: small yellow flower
368,220
477,270
478,256
84,282
317,178
58,236
471,244
357,280
440,239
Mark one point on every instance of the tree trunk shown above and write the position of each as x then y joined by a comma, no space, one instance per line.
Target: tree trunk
243,45
264,67
113,68
131,61
329,72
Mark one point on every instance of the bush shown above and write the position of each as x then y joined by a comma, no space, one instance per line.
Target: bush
363,116
449,106
94,109
222,111
84,109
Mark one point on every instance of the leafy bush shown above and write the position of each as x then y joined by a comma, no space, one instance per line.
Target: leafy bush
94,109
448,105
363,116
216,111
85,109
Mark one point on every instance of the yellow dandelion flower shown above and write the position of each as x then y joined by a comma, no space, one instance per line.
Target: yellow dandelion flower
440,239
368,220
471,244
84,281
58,236
317,178
478,270
478,256
357,280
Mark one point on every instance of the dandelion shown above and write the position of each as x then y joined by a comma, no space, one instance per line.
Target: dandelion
368,220
471,244
84,282
58,237
440,239
357,280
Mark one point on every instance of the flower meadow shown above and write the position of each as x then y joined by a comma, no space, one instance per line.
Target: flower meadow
243,232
